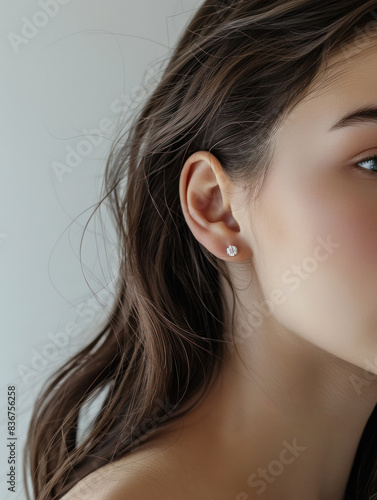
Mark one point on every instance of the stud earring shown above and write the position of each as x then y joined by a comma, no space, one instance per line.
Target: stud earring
232,250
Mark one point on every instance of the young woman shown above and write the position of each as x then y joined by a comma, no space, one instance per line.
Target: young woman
240,358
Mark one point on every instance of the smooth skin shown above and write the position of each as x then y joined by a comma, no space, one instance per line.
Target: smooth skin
286,414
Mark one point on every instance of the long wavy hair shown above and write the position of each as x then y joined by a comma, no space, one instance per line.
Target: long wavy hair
237,70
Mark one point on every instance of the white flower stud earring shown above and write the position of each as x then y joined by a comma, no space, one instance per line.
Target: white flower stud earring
232,250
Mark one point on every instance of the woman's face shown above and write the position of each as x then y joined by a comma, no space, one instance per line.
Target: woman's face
313,230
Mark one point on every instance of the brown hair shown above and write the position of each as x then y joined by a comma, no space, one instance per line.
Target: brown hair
237,70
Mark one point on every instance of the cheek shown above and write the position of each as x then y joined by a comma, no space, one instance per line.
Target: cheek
351,220
318,246
358,231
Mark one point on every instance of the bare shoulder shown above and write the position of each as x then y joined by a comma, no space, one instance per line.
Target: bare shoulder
149,473
134,487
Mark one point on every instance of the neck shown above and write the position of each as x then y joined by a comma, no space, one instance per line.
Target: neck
284,418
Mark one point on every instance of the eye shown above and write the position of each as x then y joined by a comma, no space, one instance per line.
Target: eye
367,166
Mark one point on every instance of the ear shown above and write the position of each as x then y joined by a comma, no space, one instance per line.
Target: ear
206,195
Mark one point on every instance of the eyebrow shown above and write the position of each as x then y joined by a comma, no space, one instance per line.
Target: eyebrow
359,115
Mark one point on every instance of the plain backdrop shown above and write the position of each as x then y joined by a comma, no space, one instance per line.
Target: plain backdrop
71,71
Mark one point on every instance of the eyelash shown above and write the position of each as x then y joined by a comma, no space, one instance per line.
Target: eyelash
366,171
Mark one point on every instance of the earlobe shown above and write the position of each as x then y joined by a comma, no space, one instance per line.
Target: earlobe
204,194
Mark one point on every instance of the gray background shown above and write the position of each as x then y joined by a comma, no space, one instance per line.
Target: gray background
71,69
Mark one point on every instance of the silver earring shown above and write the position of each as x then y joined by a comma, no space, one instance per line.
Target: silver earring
232,250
